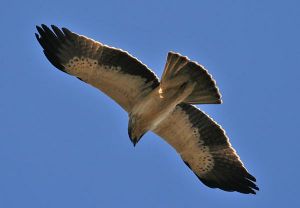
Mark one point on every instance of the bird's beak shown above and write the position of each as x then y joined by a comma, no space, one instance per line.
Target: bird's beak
133,139
132,134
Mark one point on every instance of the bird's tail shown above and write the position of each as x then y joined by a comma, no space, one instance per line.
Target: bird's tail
205,90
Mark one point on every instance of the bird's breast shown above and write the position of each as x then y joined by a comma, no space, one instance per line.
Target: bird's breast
154,108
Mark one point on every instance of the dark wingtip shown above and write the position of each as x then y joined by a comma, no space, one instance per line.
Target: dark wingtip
252,192
44,26
251,177
66,31
50,42
58,32
54,27
40,30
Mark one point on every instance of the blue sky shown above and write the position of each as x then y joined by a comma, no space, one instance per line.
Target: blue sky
64,144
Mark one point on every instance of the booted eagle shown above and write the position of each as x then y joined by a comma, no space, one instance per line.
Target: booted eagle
164,107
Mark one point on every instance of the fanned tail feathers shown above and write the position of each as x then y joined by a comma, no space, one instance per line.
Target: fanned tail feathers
205,90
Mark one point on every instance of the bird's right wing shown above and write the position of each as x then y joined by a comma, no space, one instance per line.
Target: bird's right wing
205,149
115,72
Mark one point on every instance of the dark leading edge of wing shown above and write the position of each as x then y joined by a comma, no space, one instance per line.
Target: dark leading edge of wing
53,42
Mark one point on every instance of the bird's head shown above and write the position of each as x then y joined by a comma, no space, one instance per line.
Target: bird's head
136,129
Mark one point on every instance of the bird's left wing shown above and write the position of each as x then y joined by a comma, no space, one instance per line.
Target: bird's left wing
115,72
205,149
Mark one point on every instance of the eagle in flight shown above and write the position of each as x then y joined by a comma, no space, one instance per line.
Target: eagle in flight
164,107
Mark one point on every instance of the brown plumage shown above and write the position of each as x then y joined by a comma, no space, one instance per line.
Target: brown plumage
162,107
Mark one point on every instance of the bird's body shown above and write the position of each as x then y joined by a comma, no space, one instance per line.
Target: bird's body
163,107
157,105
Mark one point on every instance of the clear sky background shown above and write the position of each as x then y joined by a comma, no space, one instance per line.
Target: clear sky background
65,144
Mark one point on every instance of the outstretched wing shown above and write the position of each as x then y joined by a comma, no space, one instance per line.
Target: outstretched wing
115,72
205,149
